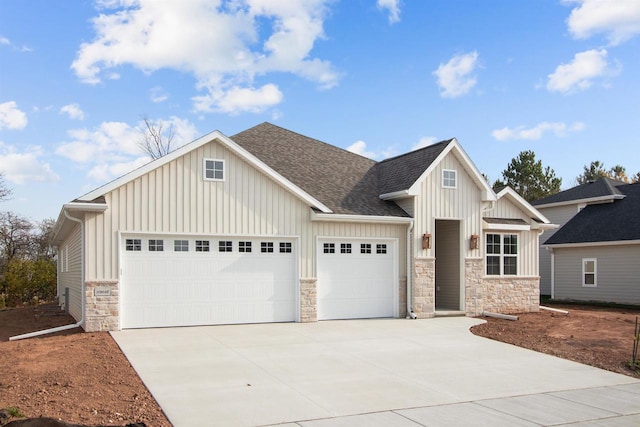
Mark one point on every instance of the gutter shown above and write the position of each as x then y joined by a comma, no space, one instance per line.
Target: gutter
81,321
410,313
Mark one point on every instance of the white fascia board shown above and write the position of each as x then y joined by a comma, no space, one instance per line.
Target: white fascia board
85,207
487,192
526,206
539,226
360,218
210,137
510,227
592,244
395,195
589,201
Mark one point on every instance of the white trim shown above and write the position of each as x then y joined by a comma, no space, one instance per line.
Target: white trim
210,137
509,227
455,179
594,272
526,206
395,195
592,200
86,207
204,170
360,218
591,244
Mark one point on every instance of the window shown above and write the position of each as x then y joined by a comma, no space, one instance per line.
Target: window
381,248
365,248
134,245
449,178
285,247
181,246
244,247
266,247
225,246
202,246
502,254
589,272
213,170
329,248
345,248
156,245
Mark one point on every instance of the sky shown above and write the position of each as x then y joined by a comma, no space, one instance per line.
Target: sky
376,77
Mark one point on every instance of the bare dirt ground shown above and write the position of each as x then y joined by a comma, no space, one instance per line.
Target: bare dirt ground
596,336
83,378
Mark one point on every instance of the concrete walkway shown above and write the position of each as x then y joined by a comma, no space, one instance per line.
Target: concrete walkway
386,372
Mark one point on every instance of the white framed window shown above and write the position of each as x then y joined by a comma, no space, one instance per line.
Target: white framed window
244,246
156,245
449,178
365,248
345,248
181,246
589,272
202,246
213,170
501,254
134,245
225,246
329,248
381,248
285,247
266,247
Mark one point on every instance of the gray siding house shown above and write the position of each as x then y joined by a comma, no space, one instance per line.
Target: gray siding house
272,226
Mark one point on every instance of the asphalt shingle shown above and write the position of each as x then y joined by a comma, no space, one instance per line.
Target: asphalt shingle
600,188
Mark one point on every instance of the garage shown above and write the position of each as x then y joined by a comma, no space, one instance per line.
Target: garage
357,278
187,281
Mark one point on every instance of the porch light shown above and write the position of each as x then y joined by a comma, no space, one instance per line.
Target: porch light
473,241
426,241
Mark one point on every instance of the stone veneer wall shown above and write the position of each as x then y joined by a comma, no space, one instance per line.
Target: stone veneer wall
402,298
424,286
498,294
308,300
102,312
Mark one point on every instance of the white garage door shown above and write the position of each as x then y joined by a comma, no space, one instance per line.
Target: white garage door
357,279
184,281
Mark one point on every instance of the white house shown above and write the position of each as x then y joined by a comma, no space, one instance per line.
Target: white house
272,226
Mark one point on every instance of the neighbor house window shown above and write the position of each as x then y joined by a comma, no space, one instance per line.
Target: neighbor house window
345,248
589,272
365,248
266,247
502,254
202,246
449,178
181,246
244,246
381,249
285,247
225,246
134,245
329,248
213,170
156,245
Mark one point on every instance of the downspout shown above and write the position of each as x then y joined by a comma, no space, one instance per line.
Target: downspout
81,321
410,313
553,274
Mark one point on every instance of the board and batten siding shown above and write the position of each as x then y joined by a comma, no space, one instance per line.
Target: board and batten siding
70,271
559,215
175,199
617,273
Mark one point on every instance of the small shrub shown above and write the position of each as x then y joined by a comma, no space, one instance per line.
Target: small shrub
14,412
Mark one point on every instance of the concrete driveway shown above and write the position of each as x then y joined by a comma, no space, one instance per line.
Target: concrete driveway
387,372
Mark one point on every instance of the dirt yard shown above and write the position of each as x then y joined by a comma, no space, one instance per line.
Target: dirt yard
84,378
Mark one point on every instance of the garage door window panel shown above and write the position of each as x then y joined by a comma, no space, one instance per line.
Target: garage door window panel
133,245
365,248
202,246
266,247
156,245
285,247
329,248
225,246
244,247
181,246
345,248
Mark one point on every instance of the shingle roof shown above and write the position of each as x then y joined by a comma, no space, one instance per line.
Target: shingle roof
399,173
600,188
345,182
606,222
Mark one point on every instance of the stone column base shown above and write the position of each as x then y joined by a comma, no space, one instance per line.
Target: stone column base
308,300
102,306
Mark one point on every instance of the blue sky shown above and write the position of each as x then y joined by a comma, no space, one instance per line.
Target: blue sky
378,77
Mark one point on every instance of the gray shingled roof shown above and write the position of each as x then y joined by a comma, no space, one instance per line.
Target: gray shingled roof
605,222
343,181
400,172
600,188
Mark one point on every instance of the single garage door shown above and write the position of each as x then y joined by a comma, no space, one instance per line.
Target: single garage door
357,279
185,281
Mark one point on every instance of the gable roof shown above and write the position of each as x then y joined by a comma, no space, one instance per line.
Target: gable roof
605,222
345,182
599,190
525,206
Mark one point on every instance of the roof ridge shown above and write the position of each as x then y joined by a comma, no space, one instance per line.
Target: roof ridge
447,141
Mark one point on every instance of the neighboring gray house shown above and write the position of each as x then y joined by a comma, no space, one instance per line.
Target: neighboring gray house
272,226
595,254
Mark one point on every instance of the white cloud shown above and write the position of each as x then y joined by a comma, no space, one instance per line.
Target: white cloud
73,111
4,41
557,128
21,167
579,73
425,141
11,117
157,94
104,172
455,77
236,99
225,47
360,147
618,20
393,7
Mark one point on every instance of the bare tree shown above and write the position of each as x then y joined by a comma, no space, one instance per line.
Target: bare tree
155,139
5,192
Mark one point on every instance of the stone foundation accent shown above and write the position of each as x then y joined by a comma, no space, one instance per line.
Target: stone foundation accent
473,289
102,311
424,287
402,297
308,300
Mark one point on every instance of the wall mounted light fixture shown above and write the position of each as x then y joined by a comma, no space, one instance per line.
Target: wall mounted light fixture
426,241
473,241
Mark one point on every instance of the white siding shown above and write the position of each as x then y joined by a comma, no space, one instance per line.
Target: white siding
70,271
618,274
407,205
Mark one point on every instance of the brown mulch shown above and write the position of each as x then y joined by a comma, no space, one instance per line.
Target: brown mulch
596,336
80,378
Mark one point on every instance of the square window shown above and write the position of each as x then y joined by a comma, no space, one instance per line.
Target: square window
493,265
285,247
225,246
329,248
181,246
244,247
365,248
493,243
156,245
202,246
510,244
266,247
213,170
345,248
510,265
134,245
381,248
449,178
